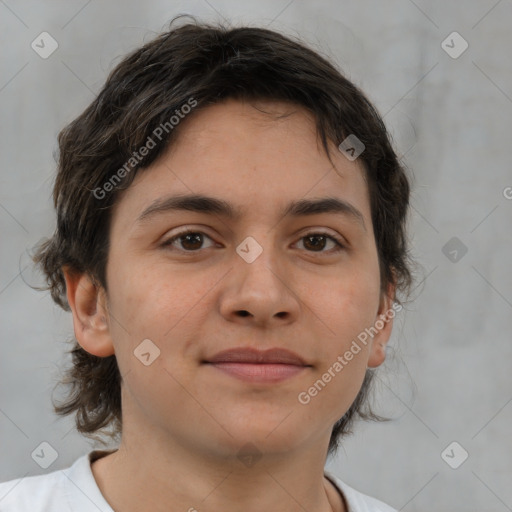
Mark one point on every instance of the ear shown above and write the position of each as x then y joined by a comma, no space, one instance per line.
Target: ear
384,325
90,315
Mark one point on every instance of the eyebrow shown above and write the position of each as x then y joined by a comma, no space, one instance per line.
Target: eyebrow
212,205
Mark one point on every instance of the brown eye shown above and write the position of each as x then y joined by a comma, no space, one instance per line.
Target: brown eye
316,242
189,241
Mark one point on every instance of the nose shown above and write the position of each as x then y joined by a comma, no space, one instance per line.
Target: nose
261,292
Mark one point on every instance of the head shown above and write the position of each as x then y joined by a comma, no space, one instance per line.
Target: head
253,119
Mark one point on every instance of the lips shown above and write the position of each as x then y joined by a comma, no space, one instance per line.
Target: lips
254,356
258,367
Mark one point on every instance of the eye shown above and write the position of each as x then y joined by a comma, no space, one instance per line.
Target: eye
318,241
190,241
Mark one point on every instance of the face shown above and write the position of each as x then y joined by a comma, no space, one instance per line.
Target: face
307,282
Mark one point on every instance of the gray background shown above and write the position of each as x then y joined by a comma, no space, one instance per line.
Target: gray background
448,376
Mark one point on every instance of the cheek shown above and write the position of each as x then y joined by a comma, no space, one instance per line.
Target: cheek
350,304
139,288
155,303
347,308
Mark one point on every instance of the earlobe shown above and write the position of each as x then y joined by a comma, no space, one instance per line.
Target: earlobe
384,325
90,315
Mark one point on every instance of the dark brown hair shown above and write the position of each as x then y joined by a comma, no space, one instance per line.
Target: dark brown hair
206,64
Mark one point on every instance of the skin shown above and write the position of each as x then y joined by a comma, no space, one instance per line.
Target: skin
184,422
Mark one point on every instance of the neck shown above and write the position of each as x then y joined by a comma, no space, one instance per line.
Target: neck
152,475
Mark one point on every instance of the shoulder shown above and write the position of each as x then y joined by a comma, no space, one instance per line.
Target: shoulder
356,500
33,493
65,490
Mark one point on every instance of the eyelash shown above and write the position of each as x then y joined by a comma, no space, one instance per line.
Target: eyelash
339,244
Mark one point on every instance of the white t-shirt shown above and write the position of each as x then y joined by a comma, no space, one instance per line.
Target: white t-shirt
75,490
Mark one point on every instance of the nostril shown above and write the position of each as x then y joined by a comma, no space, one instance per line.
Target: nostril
244,313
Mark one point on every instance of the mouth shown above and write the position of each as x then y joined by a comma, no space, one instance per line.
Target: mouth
253,365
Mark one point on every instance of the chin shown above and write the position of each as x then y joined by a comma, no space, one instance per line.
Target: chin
264,437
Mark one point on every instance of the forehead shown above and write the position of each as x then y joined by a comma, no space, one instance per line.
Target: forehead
258,156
